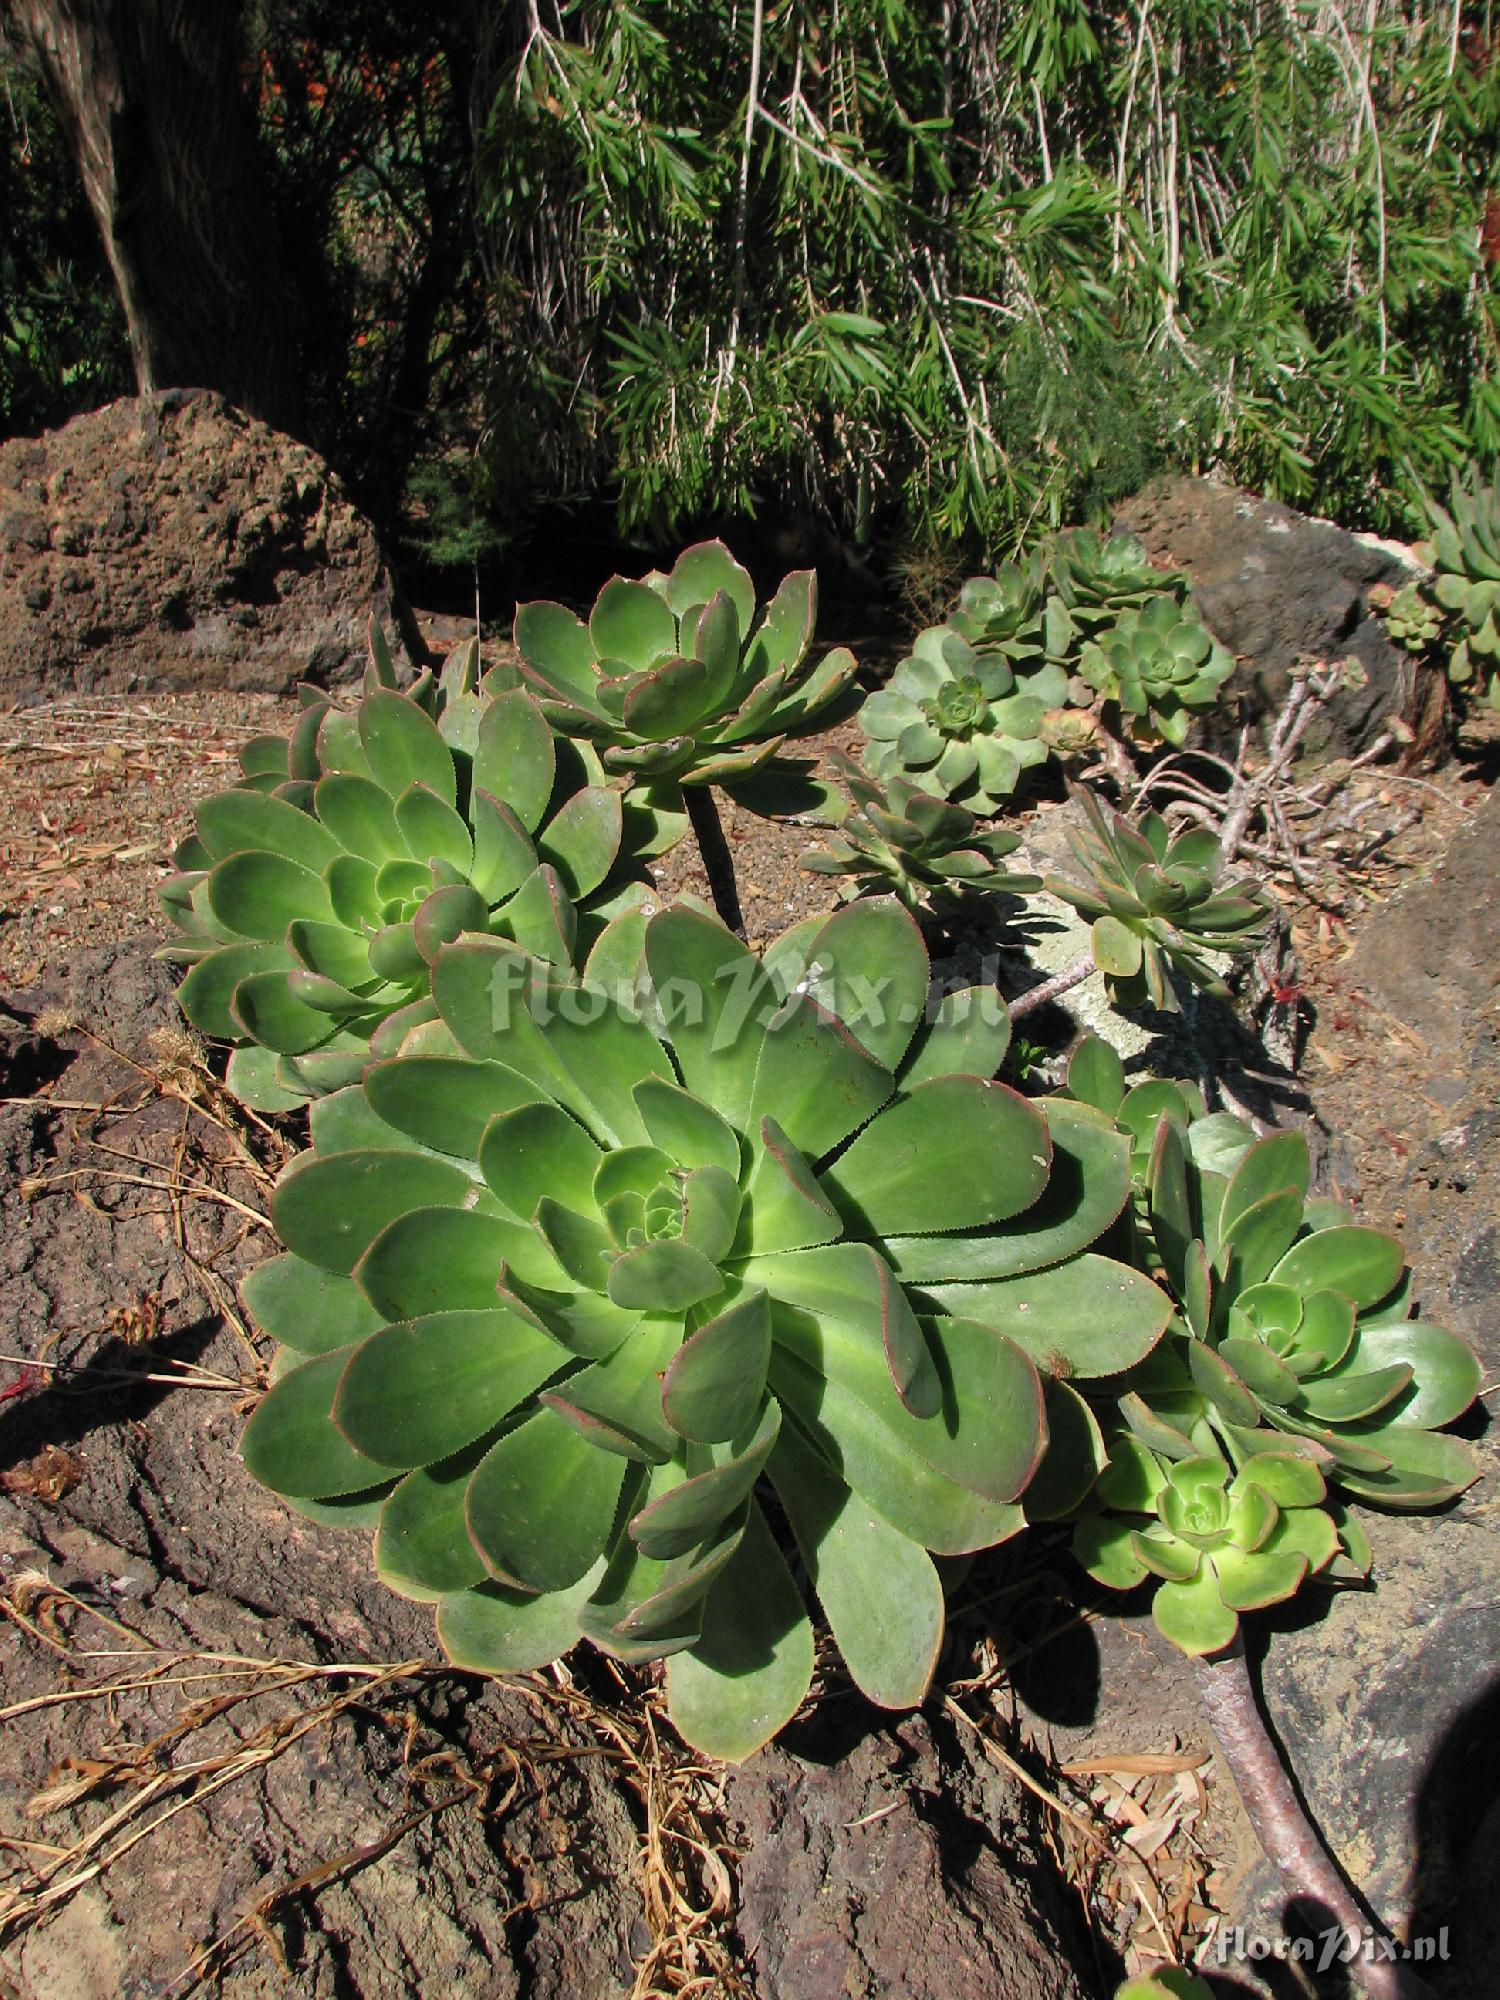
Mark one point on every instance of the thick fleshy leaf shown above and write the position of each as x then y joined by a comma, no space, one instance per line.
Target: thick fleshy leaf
1344,1397
1096,1075
267,1008
448,1260
1250,1581
1087,1186
716,997
432,830
717,1379
968,1037
1106,1549
1363,1264
206,992
503,853
237,821
674,1604
750,1672
632,624
306,1307
493,1630
1425,1467
1193,1615
329,1210
515,759
292,1444
541,917
1117,948
868,967
422,1548
691,1511
1277,1162
445,1102
879,1591
1446,1374
701,572
359,814
538,1152
334,951
403,746
1074,1458
254,1077
786,1207
1251,1246
1216,1379
259,894
541,1503
582,839
691,1132
955,1153
422,1390
663,1277
616,1403
1089,1317
815,1079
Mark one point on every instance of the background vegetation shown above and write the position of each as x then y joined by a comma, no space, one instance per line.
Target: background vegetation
920,277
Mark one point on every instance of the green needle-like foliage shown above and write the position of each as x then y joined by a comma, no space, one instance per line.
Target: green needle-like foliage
1293,1333
897,839
1159,664
962,722
1156,901
1465,553
680,676
572,1286
315,894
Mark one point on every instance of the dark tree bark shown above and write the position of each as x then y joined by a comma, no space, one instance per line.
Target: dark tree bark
149,93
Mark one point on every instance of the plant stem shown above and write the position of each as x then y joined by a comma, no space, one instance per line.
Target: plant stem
1287,1836
703,813
1050,989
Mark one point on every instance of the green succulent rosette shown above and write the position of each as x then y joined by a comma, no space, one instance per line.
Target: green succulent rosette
1412,621
1167,1982
679,677
961,723
1464,549
1219,1541
313,897
1158,665
1154,902
1004,613
898,840
1294,1329
1098,577
595,1309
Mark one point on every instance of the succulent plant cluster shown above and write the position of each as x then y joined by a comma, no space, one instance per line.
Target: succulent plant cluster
565,1283
1158,664
1411,620
1155,901
313,896
960,722
897,839
639,1289
1012,676
1464,549
679,676
1293,1372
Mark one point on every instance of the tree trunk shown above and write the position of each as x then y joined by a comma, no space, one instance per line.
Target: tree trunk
149,93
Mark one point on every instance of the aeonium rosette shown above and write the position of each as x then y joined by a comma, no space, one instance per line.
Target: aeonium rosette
590,1302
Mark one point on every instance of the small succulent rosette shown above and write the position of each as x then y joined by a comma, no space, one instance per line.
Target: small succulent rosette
1098,577
680,677
1155,902
1159,665
313,897
1294,1332
895,839
1464,550
960,723
606,1309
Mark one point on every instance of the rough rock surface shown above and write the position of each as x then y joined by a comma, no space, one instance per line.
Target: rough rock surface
888,1860
126,1490
1278,587
172,541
